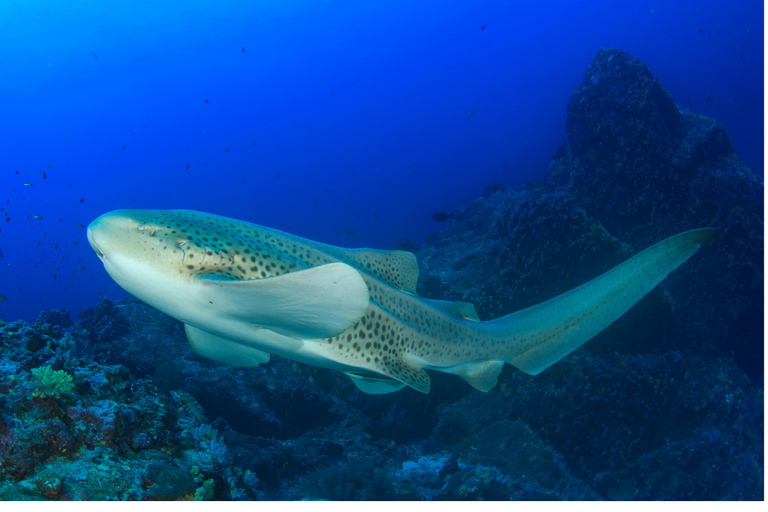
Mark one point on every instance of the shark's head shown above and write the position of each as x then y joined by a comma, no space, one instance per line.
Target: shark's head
150,253
141,250
227,277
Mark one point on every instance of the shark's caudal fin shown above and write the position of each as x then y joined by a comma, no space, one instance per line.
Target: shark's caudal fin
541,335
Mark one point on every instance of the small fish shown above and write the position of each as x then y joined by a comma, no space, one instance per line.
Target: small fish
187,167
50,166
1,254
94,55
38,217
242,48
709,98
3,298
81,225
76,242
482,27
472,112
349,232
440,216
69,129
82,199
123,148
28,184
43,173
188,403
226,150
206,100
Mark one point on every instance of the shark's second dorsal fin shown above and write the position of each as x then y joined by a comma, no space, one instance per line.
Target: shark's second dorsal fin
399,269
463,310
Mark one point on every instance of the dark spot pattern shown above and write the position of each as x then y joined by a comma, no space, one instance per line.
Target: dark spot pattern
399,334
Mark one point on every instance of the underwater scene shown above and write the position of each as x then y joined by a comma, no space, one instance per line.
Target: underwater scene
411,251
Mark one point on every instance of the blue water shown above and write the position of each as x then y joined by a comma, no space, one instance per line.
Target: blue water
347,122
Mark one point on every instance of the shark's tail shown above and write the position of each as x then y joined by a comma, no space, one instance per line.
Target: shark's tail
543,334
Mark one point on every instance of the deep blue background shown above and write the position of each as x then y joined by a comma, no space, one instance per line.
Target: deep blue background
339,114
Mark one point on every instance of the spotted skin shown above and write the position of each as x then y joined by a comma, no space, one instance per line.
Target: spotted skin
400,335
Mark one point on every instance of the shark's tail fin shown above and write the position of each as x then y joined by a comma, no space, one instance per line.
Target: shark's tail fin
543,334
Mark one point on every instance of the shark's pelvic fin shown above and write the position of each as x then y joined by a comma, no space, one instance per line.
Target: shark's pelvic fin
408,374
481,375
223,350
319,302
545,333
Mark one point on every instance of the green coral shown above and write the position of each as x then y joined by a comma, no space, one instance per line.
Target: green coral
51,383
205,492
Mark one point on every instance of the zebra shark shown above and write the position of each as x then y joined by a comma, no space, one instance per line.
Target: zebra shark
245,292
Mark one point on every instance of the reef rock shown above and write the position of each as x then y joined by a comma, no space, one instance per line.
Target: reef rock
636,168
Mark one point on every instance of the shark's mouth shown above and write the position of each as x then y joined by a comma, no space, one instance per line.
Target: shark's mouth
93,245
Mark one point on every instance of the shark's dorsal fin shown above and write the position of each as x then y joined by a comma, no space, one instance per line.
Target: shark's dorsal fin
463,310
223,350
319,302
399,269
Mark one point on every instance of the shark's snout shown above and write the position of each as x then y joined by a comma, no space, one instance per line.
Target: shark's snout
103,230
92,240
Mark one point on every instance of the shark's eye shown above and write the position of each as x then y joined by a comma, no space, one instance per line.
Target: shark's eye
140,227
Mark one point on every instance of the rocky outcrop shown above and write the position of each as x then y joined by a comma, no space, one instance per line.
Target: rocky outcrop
636,168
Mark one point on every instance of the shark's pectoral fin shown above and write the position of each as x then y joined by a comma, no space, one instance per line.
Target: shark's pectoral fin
481,376
223,350
374,385
315,303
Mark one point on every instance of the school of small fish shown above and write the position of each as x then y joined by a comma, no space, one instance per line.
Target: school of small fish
36,220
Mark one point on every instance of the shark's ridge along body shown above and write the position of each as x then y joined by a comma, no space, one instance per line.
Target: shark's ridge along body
244,292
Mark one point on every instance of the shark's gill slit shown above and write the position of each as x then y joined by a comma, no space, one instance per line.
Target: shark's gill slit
180,244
